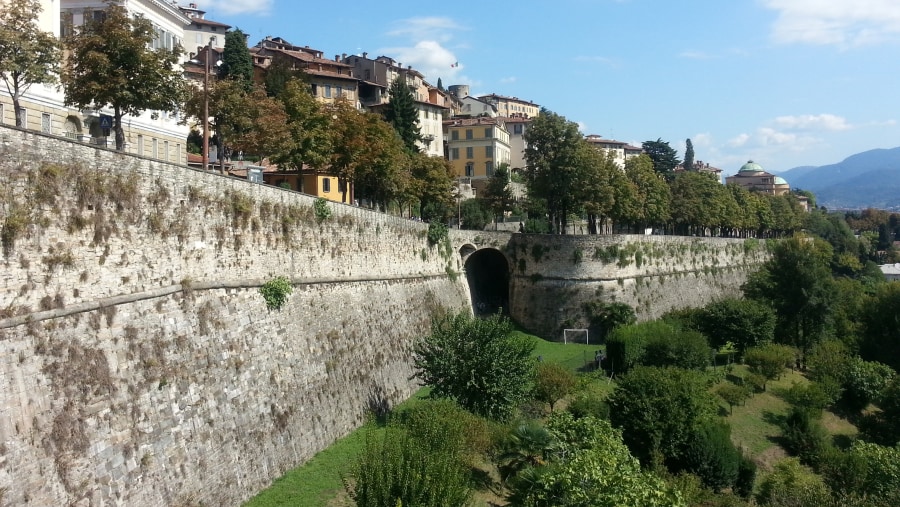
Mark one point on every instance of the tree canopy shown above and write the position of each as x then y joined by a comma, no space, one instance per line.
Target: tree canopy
664,157
402,114
28,55
111,63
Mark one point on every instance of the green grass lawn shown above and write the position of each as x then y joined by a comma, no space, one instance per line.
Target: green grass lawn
317,483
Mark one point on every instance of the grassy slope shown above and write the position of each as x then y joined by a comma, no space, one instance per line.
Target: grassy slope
318,482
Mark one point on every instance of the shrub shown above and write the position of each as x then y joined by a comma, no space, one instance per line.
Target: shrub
711,455
479,363
864,382
769,361
276,291
322,209
682,349
745,323
625,345
604,317
589,402
804,435
733,394
791,484
437,232
552,382
810,396
746,476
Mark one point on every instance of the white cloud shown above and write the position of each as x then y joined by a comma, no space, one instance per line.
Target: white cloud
427,51
506,80
258,7
813,122
835,22
695,55
766,136
739,140
702,140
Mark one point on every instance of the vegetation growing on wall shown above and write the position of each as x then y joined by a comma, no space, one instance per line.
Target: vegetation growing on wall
275,292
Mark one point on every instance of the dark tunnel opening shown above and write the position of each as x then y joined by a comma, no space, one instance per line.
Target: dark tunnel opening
487,272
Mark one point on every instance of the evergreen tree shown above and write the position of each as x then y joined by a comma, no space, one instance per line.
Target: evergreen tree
27,55
664,157
236,60
402,114
688,155
440,85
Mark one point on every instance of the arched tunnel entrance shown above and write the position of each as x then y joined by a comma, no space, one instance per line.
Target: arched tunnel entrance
487,272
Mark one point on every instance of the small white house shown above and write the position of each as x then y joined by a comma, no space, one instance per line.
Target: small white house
891,271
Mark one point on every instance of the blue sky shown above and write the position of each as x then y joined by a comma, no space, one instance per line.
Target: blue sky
783,82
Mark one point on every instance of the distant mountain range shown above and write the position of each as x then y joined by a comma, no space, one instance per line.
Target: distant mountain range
870,179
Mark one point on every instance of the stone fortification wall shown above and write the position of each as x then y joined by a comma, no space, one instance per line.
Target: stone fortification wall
553,277
139,364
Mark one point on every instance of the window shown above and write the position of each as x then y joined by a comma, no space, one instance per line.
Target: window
342,186
65,24
470,169
155,148
314,90
339,91
517,128
2,121
326,185
468,133
470,152
199,38
489,168
454,153
327,91
488,133
489,151
454,135
178,154
166,151
23,113
140,148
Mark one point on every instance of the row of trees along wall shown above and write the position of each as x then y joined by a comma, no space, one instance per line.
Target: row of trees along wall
140,364
554,277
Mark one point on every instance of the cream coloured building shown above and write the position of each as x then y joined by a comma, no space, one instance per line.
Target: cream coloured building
752,177
512,107
476,146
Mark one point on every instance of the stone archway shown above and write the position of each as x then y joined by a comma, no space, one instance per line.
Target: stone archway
487,272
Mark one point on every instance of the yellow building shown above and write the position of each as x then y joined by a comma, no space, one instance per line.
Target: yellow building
476,146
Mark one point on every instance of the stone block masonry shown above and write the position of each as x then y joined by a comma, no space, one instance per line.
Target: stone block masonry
138,362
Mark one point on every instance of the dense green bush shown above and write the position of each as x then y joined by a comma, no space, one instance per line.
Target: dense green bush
589,402
605,316
682,349
743,322
792,485
479,363
552,382
804,435
733,394
322,209
276,291
864,381
625,345
770,360
711,455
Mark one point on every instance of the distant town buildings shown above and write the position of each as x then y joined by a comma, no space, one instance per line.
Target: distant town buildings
752,177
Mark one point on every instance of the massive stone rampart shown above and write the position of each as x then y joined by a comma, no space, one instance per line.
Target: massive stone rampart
139,364
553,277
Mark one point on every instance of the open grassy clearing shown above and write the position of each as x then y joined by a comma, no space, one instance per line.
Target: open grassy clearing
318,482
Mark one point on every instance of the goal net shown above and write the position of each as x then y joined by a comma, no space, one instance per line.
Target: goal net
575,336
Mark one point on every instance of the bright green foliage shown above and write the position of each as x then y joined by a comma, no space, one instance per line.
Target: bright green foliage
864,382
237,64
111,63
745,323
711,455
810,396
733,394
497,194
309,128
432,183
556,169
770,360
625,344
443,426
398,468
804,435
884,427
652,201
682,349
401,113
592,468
527,445
552,382
828,361
868,470
791,484
27,55
659,409
797,283
699,203
664,157
276,291
479,363
437,233
322,209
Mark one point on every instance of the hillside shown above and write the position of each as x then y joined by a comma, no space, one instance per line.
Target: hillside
867,179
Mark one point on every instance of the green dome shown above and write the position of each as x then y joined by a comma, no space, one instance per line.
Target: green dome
780,181
751,167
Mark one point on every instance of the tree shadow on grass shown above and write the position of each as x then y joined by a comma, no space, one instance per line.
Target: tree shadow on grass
779,421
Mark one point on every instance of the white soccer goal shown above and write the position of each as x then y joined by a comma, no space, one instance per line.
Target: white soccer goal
576,336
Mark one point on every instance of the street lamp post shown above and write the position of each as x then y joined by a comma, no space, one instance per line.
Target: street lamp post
206,104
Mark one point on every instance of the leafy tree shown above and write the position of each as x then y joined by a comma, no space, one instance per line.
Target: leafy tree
278,74
440,85
711,455
384,174
401,113
433,181
111,63
552,382
600,178
880,333
605,317
682,349
479,363
769,361
28,55
497,194
664,157
592,468
864,382
688,155
796,281
699,203
659,409
744,323
474,214
554,165
792,484
259,124
867,470
309,126
653,199
733,394
237,64
804,435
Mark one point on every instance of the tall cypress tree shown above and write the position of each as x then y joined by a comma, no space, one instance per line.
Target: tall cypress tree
688,155
236,60
402,114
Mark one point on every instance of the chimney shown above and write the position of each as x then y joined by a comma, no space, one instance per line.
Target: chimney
343,56
337,58
365,55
